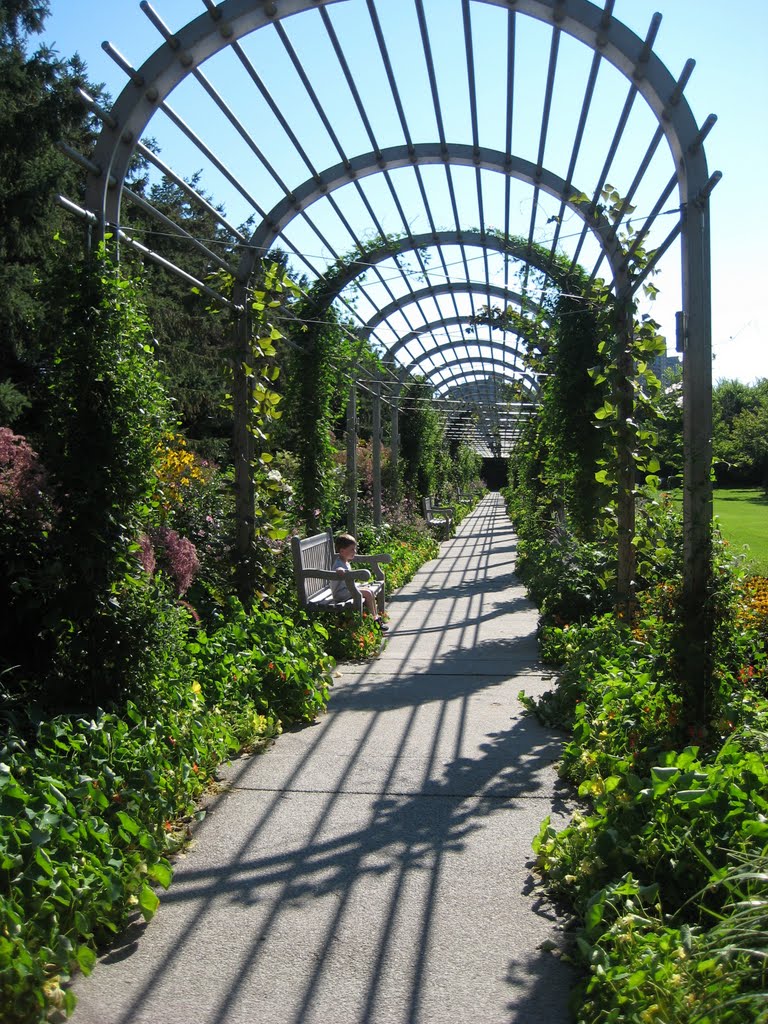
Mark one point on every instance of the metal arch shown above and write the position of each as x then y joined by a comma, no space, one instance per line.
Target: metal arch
499,367
420,154
447,288
389,249
159,75
616,44
469,375
234,19
435,325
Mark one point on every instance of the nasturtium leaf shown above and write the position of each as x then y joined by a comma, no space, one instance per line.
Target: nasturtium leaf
148,902
161,872
86,959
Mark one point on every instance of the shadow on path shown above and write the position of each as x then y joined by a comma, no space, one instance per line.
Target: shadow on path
388,848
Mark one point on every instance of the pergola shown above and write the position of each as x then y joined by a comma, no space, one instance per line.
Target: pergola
453,144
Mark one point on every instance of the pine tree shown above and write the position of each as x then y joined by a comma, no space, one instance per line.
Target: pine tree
38,108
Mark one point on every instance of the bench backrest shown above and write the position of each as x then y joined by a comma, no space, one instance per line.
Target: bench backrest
315,552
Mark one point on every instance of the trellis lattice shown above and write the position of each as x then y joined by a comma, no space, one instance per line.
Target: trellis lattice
451,126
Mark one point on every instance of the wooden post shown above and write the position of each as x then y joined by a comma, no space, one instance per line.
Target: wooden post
395,445
695,340
243,455
376,453
352,460
625,499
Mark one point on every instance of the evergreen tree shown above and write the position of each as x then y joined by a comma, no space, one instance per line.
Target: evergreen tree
38,108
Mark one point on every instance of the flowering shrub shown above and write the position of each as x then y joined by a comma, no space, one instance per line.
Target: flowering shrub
28,568
669,808
179,471
23,480
753,611
177,556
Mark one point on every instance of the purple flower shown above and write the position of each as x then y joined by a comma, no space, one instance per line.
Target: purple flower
179,557
146,555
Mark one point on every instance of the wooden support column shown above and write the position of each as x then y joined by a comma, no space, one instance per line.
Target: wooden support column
243,454
395,446
352,459
376,453
695,341
625,499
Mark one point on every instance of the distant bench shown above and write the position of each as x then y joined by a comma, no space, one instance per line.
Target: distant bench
312,572
439,516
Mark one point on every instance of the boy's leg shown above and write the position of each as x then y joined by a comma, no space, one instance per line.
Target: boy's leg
370,603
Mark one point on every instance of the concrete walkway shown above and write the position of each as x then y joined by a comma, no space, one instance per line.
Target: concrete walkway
375,867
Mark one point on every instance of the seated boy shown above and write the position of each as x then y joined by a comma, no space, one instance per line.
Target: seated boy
346,548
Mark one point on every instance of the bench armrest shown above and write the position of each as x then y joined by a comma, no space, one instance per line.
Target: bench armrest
444,510
375,561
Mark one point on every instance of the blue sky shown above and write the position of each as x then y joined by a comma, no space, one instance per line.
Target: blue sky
730,80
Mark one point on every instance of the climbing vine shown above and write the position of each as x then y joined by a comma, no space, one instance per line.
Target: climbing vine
327,358
254,401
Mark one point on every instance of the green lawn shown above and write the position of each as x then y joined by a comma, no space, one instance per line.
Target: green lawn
743,519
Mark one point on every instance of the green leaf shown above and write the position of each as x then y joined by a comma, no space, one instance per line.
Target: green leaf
664,774
43,861
128,823
593,916
161,872
86,959
692,796
148,902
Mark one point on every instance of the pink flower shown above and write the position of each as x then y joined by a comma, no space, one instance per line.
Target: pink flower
146,555
179,557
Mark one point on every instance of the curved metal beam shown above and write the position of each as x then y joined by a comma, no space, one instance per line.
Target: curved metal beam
446,288
486,366
436,325
231,20
481,239
465,372
421,154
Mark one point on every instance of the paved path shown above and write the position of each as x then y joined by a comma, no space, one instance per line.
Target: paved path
375,866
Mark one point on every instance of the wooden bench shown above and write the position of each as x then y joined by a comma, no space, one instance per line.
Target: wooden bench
438,516
312,561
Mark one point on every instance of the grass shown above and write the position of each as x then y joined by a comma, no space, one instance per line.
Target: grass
743,519
742,515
